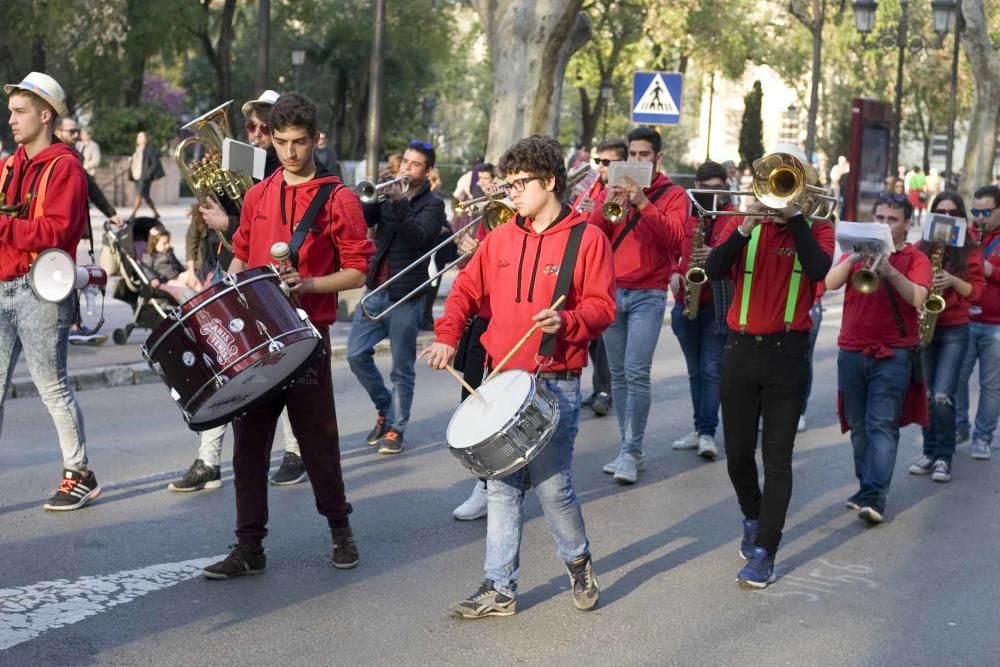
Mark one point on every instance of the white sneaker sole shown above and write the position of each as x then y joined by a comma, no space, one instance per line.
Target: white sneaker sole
756,585
468,517
66,508
289,482
207,486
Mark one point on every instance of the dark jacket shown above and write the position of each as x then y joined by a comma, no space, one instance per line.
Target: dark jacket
405,230
152,169
162,266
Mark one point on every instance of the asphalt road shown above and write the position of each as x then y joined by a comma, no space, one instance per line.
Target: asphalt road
117,582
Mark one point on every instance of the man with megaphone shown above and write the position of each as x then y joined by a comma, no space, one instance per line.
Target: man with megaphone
43,206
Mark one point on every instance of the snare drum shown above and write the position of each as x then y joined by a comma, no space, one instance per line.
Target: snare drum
507,429
231,347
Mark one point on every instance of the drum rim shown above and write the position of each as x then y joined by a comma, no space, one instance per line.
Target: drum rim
511,420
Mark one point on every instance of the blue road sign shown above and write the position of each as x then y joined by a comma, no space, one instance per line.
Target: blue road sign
656,98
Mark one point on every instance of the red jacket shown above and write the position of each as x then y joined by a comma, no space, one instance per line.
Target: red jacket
338,240
713,237
56,221
516,269
987,308
956,310
645,258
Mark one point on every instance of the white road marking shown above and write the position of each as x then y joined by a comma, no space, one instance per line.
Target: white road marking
28,611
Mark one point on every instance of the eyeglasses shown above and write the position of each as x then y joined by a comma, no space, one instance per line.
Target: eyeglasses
598,161
417,143
981,212
253,128
520,184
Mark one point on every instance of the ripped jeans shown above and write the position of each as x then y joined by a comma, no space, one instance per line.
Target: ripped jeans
943,359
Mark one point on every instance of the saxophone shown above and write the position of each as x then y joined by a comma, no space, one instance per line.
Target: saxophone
695,276
935,303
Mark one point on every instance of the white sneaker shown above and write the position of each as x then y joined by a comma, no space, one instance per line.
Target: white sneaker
802,424
612,468
474,506
689,441
707,448
628,470
981,449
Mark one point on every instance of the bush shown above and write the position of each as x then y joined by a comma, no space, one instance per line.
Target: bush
115,128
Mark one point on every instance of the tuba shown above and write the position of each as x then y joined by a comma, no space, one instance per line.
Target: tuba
205,175
935,303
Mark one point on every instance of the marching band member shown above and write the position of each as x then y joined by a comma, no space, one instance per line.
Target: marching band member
879,358
765,364
961,283
703,337
516,269
407,224
644,245
984,331
43,204
334,257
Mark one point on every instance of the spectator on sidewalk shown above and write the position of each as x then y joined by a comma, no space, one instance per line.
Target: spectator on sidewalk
90,150
145,168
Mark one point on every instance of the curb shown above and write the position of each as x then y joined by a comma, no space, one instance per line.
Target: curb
126,375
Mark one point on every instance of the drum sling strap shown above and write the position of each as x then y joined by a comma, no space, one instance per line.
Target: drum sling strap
306,223
636,215
548,345
793,284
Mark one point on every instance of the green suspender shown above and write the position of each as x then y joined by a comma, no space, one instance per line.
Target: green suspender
793,285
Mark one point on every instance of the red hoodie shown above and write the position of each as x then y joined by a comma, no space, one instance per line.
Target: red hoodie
516,269
62,223
987,308
338,239
645,258
956,310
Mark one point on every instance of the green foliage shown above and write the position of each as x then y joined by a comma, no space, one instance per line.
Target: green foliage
752,128
115,127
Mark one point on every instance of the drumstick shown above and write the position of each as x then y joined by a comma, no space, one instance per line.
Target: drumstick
524,339
468,387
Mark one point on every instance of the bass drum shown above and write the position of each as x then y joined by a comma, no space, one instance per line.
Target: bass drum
231,347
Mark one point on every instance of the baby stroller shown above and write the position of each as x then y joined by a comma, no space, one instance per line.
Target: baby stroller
150,306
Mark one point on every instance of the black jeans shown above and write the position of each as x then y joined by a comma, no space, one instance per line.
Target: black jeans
602,374
763,376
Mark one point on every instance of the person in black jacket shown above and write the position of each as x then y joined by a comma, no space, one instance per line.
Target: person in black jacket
406,225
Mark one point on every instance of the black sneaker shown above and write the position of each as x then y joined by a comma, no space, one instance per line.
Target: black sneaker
487,601
243,559
601,405
291,471
585,587
588,402
345,551
76,490
199,476
854,502
391,442
377,431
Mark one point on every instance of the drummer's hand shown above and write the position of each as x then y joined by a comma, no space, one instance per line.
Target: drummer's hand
550,320
438,355
214,217
296,283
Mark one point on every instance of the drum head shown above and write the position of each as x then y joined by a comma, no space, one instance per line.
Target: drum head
476,420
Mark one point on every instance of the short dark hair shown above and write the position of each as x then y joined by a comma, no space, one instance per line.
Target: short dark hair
293,110
646,134
488,168
953,197
989,191
616,145
426,149
539,155
39,104
895,200
709,170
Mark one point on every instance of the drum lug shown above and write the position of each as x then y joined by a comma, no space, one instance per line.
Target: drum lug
189,333
176,314
273,345
220,380
230,280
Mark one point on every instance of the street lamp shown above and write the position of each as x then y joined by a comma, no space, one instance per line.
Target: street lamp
864,16
607,90
298,52
944,12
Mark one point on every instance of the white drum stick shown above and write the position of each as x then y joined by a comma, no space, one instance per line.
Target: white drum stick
461,380
524,339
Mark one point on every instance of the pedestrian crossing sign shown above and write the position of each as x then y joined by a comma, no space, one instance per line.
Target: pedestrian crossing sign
656,98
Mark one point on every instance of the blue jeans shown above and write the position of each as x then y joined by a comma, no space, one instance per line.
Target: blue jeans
816,314
942,363
873,392
702,349
41,329
551,475
401,326
631,341
984,346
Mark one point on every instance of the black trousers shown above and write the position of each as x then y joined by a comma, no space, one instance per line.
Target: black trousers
763,376
601,376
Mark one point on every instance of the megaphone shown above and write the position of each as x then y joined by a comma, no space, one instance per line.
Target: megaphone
54,275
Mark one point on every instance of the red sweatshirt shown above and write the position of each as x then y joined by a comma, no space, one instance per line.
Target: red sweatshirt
338,240
60,225
645,258
956,310
987,308
516,269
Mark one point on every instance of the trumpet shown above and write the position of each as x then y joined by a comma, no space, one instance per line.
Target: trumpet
614,209
369,192
865,279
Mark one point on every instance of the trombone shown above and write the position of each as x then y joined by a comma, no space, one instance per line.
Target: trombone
782,178
493,214
369,192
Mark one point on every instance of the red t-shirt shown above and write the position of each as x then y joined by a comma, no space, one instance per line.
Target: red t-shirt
987,308
772,273
868,320
714,228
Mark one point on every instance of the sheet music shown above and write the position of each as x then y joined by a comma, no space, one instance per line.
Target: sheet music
640,172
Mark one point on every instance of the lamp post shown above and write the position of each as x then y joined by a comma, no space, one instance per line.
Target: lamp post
375,92
298,51
607,90
945,11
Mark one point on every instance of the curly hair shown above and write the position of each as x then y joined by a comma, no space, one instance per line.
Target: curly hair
293,110
539,155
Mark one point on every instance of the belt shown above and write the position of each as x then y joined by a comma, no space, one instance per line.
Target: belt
561,375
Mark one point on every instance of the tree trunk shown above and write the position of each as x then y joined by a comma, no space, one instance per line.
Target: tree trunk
38,54
981,148
589,117
263,45
530,42
819,14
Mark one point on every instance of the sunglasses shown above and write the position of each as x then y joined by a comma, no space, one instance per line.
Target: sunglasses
892,197
598,161
981,212
417,143
253,127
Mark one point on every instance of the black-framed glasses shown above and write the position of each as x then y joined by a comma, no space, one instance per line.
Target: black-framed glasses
520,184
599,161
981,212
892,198
417,143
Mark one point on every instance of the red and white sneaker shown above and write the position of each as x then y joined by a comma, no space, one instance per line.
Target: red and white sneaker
76,490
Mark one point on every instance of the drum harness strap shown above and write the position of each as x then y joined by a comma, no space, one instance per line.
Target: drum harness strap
547,347
793,285
306,223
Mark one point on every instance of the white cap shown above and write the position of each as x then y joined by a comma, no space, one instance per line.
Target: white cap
268,98
45,87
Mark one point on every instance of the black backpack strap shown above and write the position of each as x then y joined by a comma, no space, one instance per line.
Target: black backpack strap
633,219
548,345
890,292
299,236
